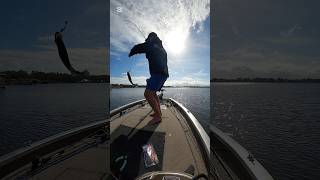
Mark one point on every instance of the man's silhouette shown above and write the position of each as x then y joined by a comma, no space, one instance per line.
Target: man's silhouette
158,68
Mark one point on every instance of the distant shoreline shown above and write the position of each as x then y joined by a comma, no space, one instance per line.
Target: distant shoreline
265,80
36,77
118,86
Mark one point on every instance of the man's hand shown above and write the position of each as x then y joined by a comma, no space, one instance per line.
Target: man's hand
131,53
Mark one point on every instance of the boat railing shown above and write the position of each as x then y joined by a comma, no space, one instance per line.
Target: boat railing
197,129
121,109
21,157
199,132
203,136
232,156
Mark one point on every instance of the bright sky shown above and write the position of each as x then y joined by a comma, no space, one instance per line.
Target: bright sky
183,27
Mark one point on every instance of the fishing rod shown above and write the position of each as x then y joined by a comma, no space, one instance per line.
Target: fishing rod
142,34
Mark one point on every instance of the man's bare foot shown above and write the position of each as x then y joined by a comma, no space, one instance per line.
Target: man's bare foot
155,120
153,114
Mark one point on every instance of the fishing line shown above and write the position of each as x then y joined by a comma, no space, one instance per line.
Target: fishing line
142,33
64,27
131,64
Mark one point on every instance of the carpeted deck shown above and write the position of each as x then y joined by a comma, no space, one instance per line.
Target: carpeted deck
172,139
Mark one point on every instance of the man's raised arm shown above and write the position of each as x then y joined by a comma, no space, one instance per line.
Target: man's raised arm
137,49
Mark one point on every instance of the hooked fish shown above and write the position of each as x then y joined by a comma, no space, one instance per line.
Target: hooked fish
129,77
63,50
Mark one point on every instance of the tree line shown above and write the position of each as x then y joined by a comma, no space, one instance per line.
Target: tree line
35,77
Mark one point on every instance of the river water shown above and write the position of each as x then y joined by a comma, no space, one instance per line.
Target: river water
195,99
33,112
278,122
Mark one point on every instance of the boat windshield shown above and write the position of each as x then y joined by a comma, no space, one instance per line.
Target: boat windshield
161,175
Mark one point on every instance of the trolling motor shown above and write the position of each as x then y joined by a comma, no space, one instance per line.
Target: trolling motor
161,94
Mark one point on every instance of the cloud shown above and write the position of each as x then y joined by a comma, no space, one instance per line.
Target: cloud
131,21
97,8
184,81
46,39
266,39
290,40
188,81
246,62
140,80
139,17
141,63
200,73
291,31
92,59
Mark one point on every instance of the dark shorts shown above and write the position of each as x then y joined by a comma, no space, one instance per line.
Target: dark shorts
155,82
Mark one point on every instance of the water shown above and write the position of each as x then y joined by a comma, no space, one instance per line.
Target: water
278,123
34,112
195,99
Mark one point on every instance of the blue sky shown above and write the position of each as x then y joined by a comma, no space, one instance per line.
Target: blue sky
180,25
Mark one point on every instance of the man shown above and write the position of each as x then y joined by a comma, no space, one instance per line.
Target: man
158,68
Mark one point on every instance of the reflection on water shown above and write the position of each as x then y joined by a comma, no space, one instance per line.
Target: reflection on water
31,113
197,100
278,123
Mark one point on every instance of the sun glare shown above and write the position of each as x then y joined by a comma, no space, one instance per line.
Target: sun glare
175,41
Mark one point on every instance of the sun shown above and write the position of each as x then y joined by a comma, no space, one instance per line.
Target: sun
175,41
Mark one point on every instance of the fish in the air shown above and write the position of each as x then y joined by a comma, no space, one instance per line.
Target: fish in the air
129,77
63,51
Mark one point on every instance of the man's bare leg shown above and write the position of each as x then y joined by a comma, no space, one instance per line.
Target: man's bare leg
158,104
150,97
